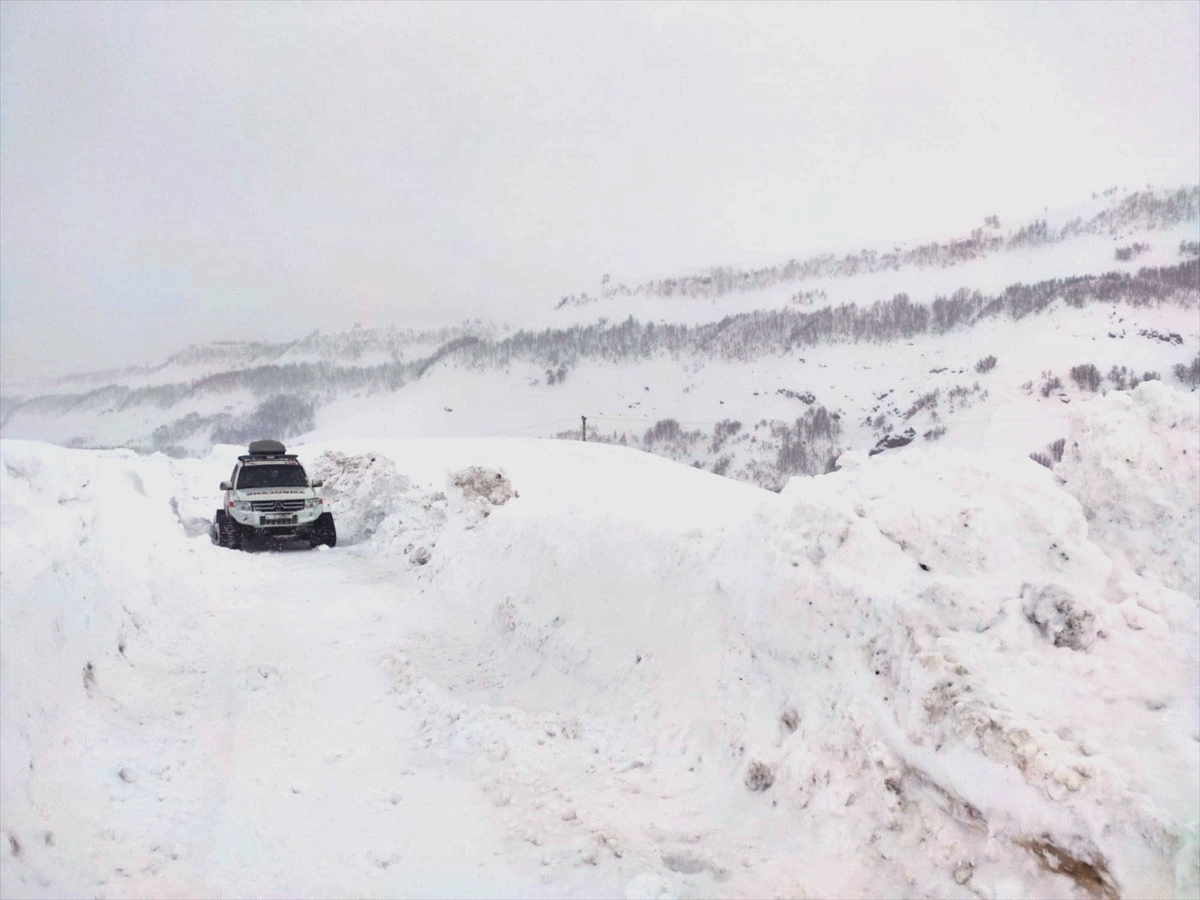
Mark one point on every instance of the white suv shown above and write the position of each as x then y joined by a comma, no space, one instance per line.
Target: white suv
269,494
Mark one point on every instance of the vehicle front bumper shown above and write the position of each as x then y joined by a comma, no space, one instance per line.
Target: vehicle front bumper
278,523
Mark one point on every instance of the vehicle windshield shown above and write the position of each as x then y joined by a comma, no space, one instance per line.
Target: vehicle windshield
272,477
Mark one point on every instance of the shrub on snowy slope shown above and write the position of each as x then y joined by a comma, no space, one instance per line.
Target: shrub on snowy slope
1087,376
1189,375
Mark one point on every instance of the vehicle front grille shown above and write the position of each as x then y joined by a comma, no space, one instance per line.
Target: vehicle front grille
277,505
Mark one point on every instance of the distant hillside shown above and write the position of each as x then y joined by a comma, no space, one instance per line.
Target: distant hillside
1140,211
738,372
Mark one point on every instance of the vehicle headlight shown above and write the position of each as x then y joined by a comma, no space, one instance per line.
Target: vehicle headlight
311,503
242,504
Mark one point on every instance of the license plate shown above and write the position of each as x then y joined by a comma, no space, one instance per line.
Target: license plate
279,520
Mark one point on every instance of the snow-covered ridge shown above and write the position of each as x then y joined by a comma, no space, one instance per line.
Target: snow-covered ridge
1173,216
732,397
937,672
1140,211
758,385
357,346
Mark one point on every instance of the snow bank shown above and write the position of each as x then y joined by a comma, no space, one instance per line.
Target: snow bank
1133,461
91,550
1001,674
938,673
931,640
362,491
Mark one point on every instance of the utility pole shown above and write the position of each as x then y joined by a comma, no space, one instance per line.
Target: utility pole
584,428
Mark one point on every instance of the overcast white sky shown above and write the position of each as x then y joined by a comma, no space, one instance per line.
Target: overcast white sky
181,172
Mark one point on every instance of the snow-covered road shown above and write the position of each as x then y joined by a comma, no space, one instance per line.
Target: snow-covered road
314,790
272,723
930,673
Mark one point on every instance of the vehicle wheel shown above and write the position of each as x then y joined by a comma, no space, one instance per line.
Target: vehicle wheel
214,528
229,531
323,531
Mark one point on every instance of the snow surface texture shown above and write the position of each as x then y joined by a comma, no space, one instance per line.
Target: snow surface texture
933,672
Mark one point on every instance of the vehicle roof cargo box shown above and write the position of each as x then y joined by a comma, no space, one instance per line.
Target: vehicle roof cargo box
267,448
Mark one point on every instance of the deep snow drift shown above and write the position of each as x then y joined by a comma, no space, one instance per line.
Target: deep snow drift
582,670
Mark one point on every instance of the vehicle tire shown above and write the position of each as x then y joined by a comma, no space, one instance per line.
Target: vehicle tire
323,531
214,528
229,531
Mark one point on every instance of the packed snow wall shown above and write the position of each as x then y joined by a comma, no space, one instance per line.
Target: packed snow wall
930,672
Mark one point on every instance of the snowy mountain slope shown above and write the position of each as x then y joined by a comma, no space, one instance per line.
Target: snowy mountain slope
989,274
871,387
364,347
931,672
1104,219
723,381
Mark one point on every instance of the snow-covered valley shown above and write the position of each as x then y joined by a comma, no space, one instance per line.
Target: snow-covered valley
761,374
936,671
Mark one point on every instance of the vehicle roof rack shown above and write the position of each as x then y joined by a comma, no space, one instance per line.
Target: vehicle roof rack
262,451
267,448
